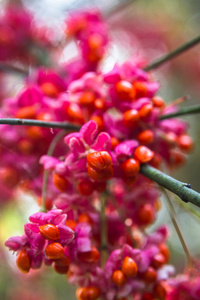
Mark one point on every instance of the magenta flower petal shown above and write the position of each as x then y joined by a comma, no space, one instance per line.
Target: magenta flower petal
113,76
89,132
103,142
126,149
66,234
16,242
44,218
83,244
76,145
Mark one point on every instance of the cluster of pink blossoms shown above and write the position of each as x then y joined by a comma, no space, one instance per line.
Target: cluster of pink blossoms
119,115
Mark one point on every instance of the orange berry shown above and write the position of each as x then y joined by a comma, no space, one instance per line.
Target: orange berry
34,132
114,142
49,232
99,122
99,160
185,142
85,187
158,102
143,154
118,278
130,167
60,269
71,224
23,261
49,89
129,267
85,218
87,98
64,261
9,177
95,41
158,261
160,291
131,118
88,293
141,89
146,137
28,112
164,251
99,104
145,214
145,111
156,161
89,256
60,182
75,113
54,251
44,116
149,276
25,146
125,90
129,181
102,175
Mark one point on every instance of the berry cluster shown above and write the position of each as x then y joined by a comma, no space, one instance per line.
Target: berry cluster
97,203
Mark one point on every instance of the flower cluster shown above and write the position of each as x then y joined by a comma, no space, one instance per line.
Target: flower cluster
99,203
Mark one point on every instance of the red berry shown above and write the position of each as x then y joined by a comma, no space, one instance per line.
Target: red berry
89,256
54,251
146,137
145,214
125,90
129,267
49,232
23,261
143,154
145,111
60,182
99,160
131,118
85,187
130,167
118,278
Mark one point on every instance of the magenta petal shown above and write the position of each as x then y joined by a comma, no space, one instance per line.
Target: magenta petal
68,137
103,142
113,76
126,149
44,218
36,261
66,234
76,145
48,162
31,227
83,244
89,132
16,242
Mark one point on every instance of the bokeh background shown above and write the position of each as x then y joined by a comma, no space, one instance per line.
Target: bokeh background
139,28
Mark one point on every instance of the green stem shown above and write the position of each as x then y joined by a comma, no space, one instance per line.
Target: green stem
30,122
179,188
184,111
104,238
50,151
177,228
173,54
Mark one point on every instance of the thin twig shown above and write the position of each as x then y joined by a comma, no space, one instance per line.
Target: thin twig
173,54
30,122
50,151
184,111
177,228
104,238
179,188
